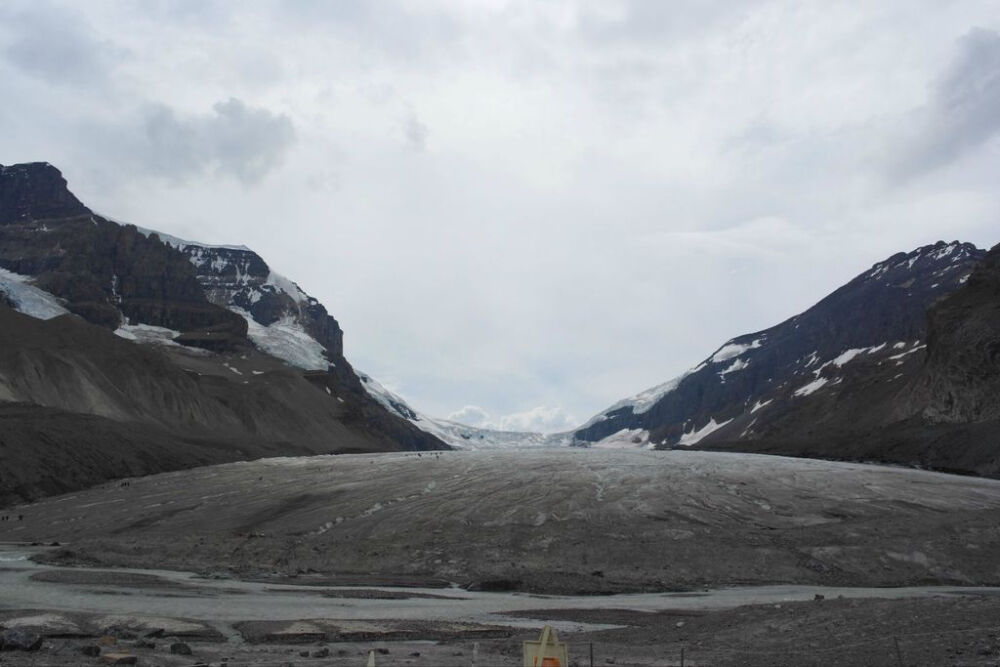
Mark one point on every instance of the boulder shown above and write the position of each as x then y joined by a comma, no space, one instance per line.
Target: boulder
18,639
180,648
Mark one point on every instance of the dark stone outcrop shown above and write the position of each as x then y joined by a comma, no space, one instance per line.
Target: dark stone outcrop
180,648
35,191
19,639
961,380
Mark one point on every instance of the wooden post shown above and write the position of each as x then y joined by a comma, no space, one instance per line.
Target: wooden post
899,654
475,653
591,654
682,656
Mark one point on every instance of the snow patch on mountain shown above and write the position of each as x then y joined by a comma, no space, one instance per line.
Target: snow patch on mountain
737,365
148,334
733,349
642,401
624,439
287,286
812,387
697,435
286,340
178,243
898,357
28,299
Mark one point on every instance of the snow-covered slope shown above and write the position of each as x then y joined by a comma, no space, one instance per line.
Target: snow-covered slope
282,319
24,297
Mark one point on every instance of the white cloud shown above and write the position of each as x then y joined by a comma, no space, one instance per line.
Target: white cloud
540,419
472,415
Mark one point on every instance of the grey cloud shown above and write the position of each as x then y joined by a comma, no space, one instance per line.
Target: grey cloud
963,112
416,132
236,139
58,47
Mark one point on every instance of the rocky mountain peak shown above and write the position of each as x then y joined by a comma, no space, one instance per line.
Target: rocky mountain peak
936,260
35,191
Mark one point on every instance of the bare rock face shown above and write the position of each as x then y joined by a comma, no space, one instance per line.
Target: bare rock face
18,639
35,191
961,380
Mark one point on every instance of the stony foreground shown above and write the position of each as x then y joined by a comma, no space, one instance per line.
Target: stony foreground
82,616
547,521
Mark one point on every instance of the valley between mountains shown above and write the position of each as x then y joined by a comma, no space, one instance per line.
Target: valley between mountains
171,405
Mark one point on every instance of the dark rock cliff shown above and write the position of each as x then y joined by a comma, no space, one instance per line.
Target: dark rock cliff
35,191
961,379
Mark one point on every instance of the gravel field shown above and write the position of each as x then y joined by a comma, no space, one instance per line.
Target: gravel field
556,521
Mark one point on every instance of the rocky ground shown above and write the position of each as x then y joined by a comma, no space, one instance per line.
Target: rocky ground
434,558
843,632
552,521
940,630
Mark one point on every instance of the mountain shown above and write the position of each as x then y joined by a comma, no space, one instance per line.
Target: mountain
937,409
139,337
844,367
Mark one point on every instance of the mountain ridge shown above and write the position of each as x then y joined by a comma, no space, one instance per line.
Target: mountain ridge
883,305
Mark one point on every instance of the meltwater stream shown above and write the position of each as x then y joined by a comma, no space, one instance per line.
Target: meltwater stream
186,595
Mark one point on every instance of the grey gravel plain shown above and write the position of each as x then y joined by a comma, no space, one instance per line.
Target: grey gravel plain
548,521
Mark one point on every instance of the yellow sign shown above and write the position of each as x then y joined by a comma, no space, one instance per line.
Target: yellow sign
547,651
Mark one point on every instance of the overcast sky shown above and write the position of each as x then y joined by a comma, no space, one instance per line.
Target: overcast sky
521,212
